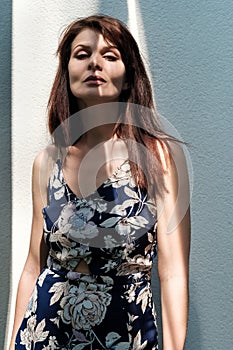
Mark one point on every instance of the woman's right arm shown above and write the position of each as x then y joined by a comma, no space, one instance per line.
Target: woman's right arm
38,252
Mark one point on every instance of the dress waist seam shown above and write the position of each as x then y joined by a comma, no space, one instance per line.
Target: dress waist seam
132,278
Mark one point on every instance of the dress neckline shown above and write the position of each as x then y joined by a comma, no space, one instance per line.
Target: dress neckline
80,198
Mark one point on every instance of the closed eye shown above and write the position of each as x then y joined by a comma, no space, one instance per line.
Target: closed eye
81,56
111,57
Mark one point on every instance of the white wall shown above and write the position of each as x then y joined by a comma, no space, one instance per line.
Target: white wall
36,29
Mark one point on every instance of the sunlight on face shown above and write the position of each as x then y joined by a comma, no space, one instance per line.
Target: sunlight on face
96,70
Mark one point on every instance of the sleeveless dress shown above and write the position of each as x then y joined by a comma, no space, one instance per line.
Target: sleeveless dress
114,231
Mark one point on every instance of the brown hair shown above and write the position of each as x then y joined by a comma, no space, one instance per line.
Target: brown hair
62,104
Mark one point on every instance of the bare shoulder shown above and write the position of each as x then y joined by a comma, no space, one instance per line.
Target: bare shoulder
173,206
50,152
172,155
41,171
45,159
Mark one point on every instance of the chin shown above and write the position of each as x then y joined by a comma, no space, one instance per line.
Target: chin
94,99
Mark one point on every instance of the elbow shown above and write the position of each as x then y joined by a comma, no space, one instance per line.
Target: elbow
173,273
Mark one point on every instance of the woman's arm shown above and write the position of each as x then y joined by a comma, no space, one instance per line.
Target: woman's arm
173,232
37,254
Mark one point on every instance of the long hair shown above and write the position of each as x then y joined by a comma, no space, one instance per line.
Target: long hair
145,161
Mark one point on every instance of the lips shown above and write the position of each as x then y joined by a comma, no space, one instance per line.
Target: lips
95,78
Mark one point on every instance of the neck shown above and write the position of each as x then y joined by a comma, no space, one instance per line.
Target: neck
97,123
99,134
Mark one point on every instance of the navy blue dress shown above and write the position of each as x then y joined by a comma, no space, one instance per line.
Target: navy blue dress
114,231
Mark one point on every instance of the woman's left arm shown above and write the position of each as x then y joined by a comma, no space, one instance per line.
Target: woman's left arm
173,234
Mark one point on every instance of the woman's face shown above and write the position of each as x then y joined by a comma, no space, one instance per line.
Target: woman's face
96,70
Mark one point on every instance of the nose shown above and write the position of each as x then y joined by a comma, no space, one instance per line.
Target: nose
94,63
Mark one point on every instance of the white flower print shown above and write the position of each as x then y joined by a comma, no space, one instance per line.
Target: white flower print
110,222
53,344
123,227
131,193
58,289
138,263
75,222
85,305
131,293
144,297
110,265
56,183
88,231
152,207
137,343
128,248
26,338
33,333
111,338
137,222
101,207
32,306
59,193
66,254
43,276
94,204
121,177
63,221
110,242
117,182
84,215
120,209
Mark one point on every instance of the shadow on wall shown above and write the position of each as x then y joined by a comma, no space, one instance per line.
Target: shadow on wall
118,9
5,164
149,14
194,337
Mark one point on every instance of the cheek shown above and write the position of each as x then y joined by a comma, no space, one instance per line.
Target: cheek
118,76
73,72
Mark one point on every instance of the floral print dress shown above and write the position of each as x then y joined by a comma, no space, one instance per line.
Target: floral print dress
114,231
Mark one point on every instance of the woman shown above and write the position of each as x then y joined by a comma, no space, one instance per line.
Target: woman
113,202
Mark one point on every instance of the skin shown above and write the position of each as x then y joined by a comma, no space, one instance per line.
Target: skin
91,55
173,236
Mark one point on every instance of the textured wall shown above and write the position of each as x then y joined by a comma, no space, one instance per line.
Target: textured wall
191,55
5,163
188,47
